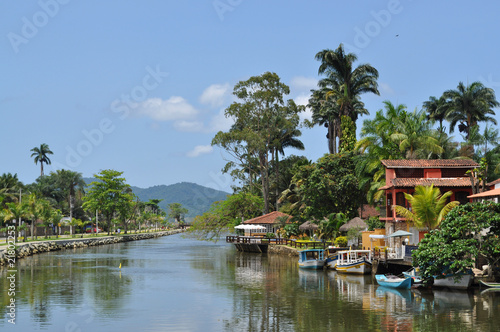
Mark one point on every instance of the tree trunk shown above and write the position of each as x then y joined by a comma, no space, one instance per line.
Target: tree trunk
265,180
277,172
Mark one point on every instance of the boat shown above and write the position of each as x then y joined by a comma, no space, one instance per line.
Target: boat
390,281
354,261
332,256
489,284
312,259
456,281
414,274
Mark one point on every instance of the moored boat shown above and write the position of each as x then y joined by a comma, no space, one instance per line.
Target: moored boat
311,259
489,284
354,261
393,281
332,256
457,281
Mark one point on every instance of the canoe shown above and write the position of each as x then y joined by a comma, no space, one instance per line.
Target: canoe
393,282
489,284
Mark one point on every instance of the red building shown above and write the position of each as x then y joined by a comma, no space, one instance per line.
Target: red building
401,176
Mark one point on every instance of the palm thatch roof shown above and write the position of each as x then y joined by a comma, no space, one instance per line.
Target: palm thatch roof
353,223
308,226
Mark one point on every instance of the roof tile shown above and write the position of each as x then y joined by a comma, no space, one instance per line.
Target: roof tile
429,163
269,218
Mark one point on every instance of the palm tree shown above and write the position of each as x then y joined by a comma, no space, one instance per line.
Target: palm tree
15,212
468,105
414,136
70,183
34,208
428,207
40,155
376,144
325,112
10,187
350,82
436,110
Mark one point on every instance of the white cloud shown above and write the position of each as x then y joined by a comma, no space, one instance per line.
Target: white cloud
188,126
385,89
174,108
220,123
199,150
215,95
304,83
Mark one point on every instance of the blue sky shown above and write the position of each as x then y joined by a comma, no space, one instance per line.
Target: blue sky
141,86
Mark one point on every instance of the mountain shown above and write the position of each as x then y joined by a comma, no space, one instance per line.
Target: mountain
197,199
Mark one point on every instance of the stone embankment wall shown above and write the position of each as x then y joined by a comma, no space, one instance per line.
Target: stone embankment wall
282,250
28,249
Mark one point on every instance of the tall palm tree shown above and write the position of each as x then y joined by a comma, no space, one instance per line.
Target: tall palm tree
468,105
325,112
436,110
40,154
414,136
70,183
350,82
428,207
376,144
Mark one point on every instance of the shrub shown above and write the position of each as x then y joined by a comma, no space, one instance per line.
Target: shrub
341,241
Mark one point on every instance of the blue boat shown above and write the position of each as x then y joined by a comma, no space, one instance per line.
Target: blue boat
393,281
311,259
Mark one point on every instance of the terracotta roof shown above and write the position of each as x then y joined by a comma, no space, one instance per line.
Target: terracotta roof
489,193
438,182
492,183
429,163
269,218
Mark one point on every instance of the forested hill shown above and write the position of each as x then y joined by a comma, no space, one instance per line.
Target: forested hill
197,199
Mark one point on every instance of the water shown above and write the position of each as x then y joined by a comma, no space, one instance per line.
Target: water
179,284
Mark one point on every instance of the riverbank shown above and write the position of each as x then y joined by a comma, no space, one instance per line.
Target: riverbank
28,249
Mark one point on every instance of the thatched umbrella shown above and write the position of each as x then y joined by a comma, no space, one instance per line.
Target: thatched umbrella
353,223
308,226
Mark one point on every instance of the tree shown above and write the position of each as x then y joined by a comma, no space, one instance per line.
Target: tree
177,212
15,212
414,136
224,215
328,186
376,145
56,217
428,207
350,82
40,154
34,207
469,105
70,184
10,187
460,239
108,194
436,110
259,117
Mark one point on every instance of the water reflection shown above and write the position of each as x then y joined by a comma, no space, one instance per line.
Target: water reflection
179,284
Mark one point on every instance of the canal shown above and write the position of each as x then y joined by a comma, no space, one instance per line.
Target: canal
175,283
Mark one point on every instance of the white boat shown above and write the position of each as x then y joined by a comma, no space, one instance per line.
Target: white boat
354,261
464,281
312,259
332,256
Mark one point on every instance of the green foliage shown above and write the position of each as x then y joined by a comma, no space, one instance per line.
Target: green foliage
107,195
291,230
374,222
176,212
454,246
341,241
224,215
348,139
40,154
429,207
328,186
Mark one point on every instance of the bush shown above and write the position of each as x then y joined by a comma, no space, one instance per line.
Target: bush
270,236
66,233
341,241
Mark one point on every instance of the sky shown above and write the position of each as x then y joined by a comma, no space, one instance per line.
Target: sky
141,86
